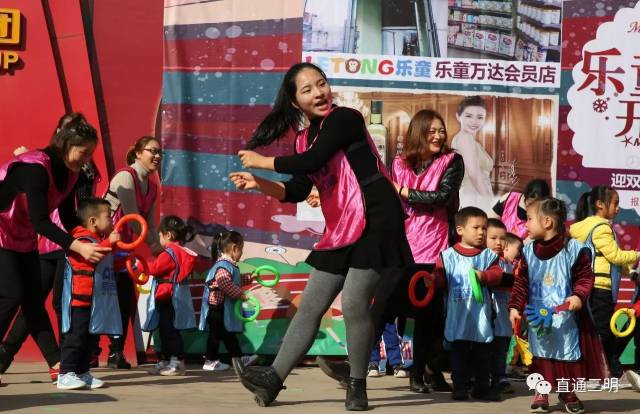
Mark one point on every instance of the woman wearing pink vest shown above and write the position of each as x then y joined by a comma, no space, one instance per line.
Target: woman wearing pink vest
511,209
428,176
364,223
133,189
32,186
52,262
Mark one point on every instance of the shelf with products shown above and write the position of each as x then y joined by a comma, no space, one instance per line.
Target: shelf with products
483,26
530,39
554,4
482,11
546,26
481,51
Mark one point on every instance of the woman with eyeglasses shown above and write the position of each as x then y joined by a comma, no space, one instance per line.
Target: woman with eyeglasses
427,177
133,190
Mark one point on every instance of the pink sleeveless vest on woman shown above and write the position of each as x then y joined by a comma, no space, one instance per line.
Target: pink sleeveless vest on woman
510,216
427,227
16,231
341,198
143,201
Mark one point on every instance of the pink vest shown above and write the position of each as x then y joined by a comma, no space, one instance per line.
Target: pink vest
144,202
427,227
341,198
47,246
510,216
16,231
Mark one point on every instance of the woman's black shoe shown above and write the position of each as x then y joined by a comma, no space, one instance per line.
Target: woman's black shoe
117,361
263,382
418,385
438,383
357,395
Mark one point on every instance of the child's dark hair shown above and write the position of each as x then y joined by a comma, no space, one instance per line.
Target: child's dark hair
222,241
180,231
536,189
494,222
466,213
91,207
511,238
587,203
554,208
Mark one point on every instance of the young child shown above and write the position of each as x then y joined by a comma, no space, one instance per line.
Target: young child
552,272
468,325
169,307
496,241
89,298
391,342
221,291
594,213
512,250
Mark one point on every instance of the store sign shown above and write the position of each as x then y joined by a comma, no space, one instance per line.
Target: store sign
9,36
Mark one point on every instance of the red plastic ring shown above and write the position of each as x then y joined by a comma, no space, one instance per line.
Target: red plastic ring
138,277
143,233
429,281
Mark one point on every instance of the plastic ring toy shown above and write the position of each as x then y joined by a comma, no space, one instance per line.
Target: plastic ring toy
632,322
142,290
139,278
476,290
143,232
429,281
270,269
238,309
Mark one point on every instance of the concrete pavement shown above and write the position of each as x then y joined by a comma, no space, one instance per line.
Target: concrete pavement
26,390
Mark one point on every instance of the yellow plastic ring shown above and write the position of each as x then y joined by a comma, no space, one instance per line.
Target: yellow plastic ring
632,322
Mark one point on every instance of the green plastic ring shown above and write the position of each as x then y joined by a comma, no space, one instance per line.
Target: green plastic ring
270,269
476,290
238,309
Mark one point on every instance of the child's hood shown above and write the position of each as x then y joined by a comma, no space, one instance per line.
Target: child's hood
186,259
581,229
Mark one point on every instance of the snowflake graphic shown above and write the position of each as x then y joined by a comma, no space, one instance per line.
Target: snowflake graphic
600,105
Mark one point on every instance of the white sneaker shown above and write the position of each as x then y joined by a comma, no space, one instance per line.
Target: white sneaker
70,381
155,370
400,372
248,359
91,381
633,378
175,367
216,365
373,370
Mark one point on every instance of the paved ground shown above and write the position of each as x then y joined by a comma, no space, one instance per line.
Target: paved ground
26,390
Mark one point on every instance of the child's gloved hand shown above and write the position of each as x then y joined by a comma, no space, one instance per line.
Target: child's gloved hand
575,303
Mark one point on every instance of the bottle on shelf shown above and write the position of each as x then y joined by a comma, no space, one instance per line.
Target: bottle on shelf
378,131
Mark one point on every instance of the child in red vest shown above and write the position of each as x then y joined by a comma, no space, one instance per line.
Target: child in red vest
83,316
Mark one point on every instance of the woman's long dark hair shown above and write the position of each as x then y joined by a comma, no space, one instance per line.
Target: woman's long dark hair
416,148
283,115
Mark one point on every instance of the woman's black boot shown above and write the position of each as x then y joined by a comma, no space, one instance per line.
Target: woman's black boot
263,382
357,395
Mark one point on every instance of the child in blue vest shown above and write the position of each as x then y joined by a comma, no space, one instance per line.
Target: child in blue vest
496,241
222,288
89,298
552,272
170,306
468,325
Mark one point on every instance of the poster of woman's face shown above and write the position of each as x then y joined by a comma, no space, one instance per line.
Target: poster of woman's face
505,141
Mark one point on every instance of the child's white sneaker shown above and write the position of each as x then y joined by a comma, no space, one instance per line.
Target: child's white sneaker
91,381
175,367
216,365
155,370
70,381
248,359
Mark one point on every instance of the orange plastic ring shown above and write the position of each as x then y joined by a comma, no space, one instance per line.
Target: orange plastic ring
143,233
429,280
138,277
